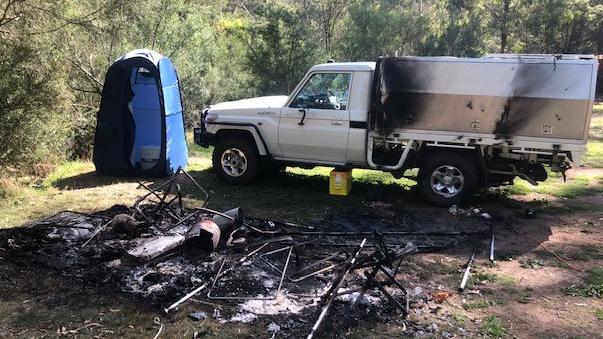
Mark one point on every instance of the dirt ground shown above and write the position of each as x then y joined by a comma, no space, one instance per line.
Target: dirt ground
525,293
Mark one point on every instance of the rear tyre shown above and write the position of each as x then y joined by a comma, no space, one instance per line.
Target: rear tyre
447,179
235,161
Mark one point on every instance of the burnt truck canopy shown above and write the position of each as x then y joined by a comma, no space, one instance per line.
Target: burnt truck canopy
140,126
506,96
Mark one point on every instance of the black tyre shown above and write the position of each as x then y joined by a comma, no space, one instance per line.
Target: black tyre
447,179
235,161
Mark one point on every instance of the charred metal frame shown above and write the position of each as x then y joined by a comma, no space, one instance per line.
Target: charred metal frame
202,287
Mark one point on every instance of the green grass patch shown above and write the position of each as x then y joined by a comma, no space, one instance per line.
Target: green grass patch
501,279
592,286
531,263
477,305
359,175
195,150
459,318
594,148
594,154
493,327
579,185
598,312
67,170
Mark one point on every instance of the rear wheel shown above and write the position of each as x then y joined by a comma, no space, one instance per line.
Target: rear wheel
447,179
235,161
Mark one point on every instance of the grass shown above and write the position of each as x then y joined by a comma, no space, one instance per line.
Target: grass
532,263
592,287
594,148
493,327
598,313
577,185
501,279
459,318
476,305
71,186
67,170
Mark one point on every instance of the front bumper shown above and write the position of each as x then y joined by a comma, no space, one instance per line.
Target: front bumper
202,138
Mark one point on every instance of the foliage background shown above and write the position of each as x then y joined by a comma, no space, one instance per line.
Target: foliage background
54,54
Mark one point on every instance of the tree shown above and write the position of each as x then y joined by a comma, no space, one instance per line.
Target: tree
502,16
459,29
326,14
374,28
280,48
30,90
561,26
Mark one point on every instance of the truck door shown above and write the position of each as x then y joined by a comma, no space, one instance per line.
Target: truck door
315,123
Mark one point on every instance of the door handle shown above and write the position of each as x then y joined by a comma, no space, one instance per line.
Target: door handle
336,123
301,123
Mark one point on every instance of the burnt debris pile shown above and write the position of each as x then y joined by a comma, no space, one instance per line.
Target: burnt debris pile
168,250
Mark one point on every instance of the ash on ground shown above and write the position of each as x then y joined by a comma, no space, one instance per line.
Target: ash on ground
274,270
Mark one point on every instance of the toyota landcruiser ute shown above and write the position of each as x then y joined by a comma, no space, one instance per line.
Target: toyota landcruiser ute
465,123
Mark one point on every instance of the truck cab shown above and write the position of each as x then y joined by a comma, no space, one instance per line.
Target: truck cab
322,122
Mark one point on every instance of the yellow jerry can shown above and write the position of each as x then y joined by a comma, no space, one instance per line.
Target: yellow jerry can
340,182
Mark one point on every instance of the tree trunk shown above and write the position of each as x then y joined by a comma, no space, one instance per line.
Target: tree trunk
504,26
600,42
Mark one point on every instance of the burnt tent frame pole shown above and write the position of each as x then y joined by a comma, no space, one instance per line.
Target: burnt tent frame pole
207,196
96,232
467,272
326,233
331,293
492,243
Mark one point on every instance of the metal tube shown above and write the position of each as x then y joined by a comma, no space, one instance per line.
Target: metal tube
332,291
383,233
467,271
369,156
196,184
492,243
218,213
96,231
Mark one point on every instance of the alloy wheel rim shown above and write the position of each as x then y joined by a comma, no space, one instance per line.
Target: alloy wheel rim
447,181
234,162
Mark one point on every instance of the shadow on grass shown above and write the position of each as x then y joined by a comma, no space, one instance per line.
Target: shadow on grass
92,179
305,198
285,194
294,195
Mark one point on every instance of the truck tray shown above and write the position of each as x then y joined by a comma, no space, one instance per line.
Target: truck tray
502,96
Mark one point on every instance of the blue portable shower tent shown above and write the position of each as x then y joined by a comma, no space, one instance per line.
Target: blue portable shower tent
140,125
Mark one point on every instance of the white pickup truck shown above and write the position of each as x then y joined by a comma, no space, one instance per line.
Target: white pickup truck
465,123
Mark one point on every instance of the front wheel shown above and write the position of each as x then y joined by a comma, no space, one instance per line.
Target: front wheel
447,179
235,161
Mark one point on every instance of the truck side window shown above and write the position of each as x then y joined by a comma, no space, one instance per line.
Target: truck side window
324,91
